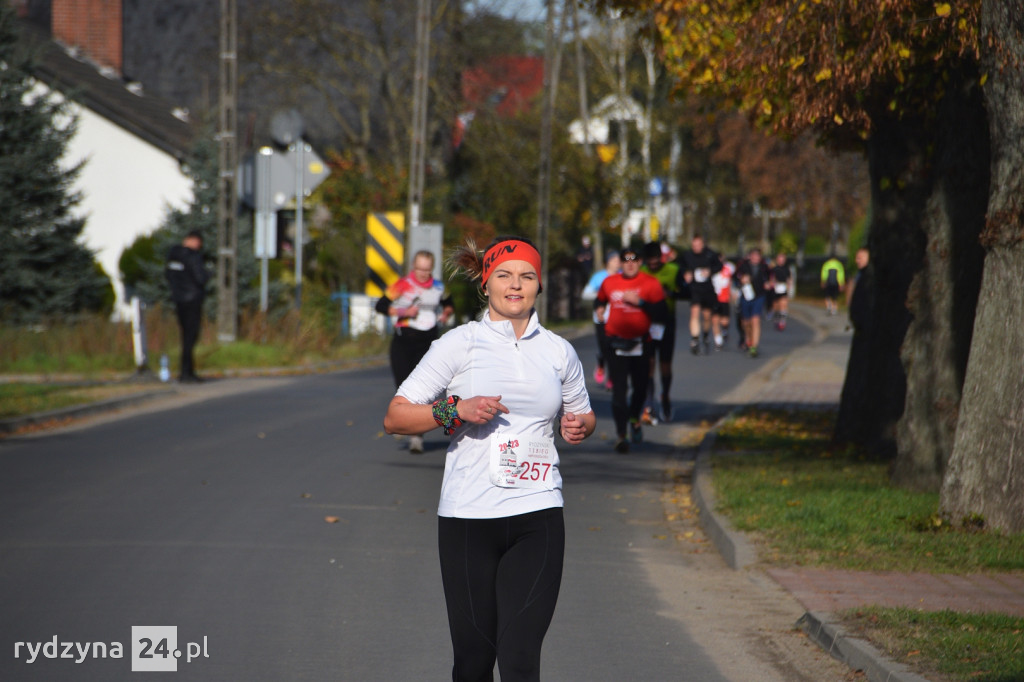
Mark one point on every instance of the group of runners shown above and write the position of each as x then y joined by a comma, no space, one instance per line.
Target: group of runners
715,288
510,395
634,297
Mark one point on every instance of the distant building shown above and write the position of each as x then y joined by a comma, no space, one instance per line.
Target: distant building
133,145
609,112
508,85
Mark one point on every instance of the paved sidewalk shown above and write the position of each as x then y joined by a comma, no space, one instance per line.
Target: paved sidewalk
829,591
812,376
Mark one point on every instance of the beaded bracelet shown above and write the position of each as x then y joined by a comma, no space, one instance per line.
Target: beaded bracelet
446,414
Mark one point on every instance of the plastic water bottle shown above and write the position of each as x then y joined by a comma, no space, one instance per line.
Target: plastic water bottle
165,369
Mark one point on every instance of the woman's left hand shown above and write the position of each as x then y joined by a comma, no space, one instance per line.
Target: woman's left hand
572,428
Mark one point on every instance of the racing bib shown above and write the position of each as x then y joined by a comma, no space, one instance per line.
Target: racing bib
522,461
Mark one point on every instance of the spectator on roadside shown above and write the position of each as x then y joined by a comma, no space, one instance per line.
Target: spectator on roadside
585,256
753,277
833,280
612,266
187,277
414,302
501,531
860,294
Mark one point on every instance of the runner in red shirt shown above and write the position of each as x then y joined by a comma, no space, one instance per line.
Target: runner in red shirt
636,311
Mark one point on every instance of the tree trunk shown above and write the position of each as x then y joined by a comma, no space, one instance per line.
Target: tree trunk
985,477
943,294
875,384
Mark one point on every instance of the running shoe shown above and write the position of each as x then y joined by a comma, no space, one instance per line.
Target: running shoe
666,409
608,385
636,434
416,445
695,347
647,417
599,375
622,445
753,351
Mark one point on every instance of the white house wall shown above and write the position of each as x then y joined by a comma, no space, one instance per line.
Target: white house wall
127,186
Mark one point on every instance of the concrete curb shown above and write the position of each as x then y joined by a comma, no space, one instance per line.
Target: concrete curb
739,553
730,543
14,424
856,653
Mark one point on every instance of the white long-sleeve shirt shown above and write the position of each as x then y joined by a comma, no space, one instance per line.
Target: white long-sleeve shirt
539,377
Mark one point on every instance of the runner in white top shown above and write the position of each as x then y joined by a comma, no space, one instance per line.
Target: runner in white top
500,531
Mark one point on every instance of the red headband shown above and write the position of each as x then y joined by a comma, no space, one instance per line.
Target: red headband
510,250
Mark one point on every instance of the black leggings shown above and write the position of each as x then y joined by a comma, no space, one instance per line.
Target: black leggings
602,344
634,369
501,579
408,346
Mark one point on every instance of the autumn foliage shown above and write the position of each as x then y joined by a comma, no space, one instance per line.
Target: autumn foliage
818,64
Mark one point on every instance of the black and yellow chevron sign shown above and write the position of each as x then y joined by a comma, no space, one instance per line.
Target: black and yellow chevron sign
385,250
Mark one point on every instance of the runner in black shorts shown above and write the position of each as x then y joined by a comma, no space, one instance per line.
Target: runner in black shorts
722,282
833,278
698,265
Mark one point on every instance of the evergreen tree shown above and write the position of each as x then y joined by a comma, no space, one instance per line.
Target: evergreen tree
142,263
45,270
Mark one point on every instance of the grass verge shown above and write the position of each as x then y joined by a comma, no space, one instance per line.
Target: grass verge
811,502
986,647
807,501
18,399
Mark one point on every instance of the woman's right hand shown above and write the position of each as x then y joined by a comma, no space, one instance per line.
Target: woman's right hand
480,409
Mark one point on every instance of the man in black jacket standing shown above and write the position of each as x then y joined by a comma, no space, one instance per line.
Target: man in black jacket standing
187,276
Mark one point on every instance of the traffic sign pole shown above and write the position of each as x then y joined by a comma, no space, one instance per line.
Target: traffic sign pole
300,197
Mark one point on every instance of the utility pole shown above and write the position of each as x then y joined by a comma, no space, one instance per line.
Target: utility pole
620,197
647,46
552,63
420,92
588,149
544,179
227,210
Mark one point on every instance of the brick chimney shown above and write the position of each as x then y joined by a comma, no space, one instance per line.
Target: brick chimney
93,26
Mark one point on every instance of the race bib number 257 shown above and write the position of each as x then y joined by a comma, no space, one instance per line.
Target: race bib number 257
522,461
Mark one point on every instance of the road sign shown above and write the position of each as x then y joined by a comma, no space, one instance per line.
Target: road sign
385,250
281,187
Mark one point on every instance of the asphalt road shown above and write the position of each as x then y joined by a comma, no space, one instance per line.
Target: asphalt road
210,517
